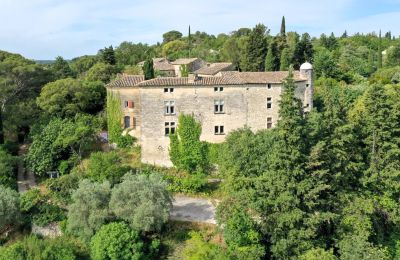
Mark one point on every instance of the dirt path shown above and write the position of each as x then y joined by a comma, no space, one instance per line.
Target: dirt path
25,179
193,209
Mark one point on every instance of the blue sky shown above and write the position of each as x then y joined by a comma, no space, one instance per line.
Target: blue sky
44,29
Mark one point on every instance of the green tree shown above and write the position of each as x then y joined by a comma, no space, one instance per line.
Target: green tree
256,49
89,208
197,248
108,55
283,26
318,254
175,49
148,69
325,65
8,167
304,51
9,208
81,65
142,201
103,72
61,68
272,60
116,241
171,36
285,59
186,150
67,97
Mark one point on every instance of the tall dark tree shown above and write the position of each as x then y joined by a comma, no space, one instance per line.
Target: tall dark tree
304,51
256,49
148,69
108,55
61,68
380,51
283,27
272,59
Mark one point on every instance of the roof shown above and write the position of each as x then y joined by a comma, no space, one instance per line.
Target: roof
126,81
223,78
184,61
163,66
214,68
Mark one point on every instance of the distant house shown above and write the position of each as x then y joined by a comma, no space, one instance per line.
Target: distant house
191,63
163,66
212,69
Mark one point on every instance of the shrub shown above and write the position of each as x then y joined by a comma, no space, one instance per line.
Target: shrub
8,170
143,201
9,207
106,166
62,187
187,184
116,241
197,248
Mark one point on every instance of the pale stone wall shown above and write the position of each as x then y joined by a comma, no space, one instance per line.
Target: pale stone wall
134,113
244,105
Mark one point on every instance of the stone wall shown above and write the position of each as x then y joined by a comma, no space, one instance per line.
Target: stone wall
244,105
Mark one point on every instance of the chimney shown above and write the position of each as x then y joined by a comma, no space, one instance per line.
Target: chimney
192,78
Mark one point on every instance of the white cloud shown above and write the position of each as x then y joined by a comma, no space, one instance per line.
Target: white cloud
43,29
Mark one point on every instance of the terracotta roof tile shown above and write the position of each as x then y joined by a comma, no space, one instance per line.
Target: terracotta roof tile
214,68
126,81
184,61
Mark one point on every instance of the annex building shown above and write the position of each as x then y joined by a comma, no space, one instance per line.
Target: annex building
221,102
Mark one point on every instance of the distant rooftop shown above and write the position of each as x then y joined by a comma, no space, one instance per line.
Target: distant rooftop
214,68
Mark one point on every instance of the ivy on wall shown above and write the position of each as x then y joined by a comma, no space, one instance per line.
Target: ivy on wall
114,116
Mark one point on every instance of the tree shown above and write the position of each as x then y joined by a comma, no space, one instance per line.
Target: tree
171,36
187,152
67,97
89,208
9,208
105,166
108,55
283,27
81,65
256,49
101,72
325,65
272,60
318,253
197,248
285,59
304,51
61,68
174,49
8,167
116,241
148,69
142,201
380,51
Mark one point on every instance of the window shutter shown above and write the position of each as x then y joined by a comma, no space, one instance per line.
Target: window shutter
130,104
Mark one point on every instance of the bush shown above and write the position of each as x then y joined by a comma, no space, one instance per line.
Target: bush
8,170
106,166
116,241
187,184
9,207
125,141
62,187
142,201
39,209
197,248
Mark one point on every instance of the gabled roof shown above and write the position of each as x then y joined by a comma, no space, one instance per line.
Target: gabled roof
214,68
126,81
184,61
222,78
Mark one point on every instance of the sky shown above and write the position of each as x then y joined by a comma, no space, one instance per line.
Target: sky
44,29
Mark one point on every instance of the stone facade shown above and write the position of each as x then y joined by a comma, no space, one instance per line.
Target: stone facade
252,100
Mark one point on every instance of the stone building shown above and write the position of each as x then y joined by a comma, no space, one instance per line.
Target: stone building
221,103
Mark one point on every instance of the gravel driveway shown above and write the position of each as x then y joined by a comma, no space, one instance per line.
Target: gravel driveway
193,209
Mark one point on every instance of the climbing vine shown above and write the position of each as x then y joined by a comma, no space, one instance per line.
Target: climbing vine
187,152
114,115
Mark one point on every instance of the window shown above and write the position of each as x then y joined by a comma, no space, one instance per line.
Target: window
165,90
269,86
169,107
168,90
128,104
269,122
171,90
127,121
218,89
218,106
169,128
269,102
219,130
307,85
125,104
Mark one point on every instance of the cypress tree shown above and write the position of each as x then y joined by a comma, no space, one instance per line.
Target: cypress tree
380,51
272,61
285,59
283,27
148,69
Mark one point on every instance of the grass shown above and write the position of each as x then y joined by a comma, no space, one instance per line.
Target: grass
176,233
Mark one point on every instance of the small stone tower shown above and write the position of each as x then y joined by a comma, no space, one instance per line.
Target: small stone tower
306,70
